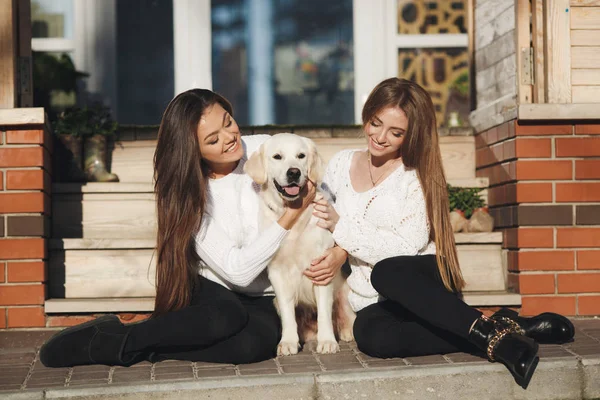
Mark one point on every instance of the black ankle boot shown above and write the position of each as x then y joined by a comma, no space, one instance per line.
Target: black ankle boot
100,341
505,343
548,327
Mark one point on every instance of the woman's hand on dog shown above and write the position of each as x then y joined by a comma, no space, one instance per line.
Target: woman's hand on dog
328,217
323,269
292,213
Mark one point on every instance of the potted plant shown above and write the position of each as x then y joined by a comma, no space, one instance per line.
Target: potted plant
83,132
468,211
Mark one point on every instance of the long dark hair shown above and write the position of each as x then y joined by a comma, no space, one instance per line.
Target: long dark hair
421,151
181,191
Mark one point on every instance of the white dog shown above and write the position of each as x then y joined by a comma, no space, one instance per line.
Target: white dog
282,166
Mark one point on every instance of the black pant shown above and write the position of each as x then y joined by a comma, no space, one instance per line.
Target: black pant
419,316
219,326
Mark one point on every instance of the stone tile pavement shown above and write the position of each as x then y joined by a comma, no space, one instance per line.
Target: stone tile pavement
23,376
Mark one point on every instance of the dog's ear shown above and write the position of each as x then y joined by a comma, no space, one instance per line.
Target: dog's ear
255,166
316,165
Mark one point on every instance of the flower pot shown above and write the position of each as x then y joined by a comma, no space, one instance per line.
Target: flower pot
95,160
480,221
458,220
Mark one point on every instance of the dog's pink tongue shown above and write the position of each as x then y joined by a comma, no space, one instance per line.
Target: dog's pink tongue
292,190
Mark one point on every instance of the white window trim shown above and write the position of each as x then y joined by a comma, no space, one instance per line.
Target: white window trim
432,40
56,45
192,44
375,48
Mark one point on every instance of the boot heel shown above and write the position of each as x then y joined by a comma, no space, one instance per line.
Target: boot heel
503,341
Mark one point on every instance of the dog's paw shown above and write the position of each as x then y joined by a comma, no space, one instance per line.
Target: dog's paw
328,347
346,335
287,348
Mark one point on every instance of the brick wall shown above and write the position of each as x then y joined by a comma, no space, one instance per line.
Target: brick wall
24,227
545,195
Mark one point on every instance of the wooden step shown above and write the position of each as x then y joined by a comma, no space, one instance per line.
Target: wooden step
122,210
133,161
104,215
146,304
90,268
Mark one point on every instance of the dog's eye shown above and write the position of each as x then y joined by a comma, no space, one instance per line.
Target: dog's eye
277,156
301,155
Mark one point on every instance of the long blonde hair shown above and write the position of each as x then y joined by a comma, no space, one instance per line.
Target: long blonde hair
421,151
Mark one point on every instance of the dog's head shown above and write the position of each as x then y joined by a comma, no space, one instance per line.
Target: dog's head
286,162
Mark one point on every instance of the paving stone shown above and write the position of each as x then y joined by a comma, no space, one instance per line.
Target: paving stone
26,340
88,382
390,362
46,380
11,359
122,375
297,359
265,371
433,359
554,352
186,372
212,365
215,372
267,364
12,379
465,358
174,377
50,371
339,358
298,368
85,369
343,367
94,375
10,387
173,363
585,351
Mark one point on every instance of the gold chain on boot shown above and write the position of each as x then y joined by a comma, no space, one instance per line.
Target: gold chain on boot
510,327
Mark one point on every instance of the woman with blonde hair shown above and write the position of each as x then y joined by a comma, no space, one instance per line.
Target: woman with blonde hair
391,214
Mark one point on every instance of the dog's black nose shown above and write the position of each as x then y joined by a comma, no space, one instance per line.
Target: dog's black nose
293,174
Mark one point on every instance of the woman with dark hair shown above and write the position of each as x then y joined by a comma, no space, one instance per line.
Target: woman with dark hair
214,301
392,217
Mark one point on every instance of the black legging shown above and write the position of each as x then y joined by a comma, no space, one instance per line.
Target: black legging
419,316
219,326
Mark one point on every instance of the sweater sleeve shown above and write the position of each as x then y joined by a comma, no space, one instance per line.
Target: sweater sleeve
235,264
408,234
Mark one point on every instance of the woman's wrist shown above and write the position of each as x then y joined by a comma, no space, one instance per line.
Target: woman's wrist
289,218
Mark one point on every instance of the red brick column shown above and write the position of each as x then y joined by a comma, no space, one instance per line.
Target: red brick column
545,195
25,185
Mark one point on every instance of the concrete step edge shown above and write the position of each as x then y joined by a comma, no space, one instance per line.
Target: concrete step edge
146,304
554,379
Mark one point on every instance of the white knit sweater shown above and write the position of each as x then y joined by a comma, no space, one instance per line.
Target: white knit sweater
231,250
385,221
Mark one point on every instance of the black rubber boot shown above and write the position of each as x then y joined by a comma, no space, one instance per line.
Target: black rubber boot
100,341
547,327
504,343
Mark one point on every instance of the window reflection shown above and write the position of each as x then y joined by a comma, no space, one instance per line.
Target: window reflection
306,74
52,19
